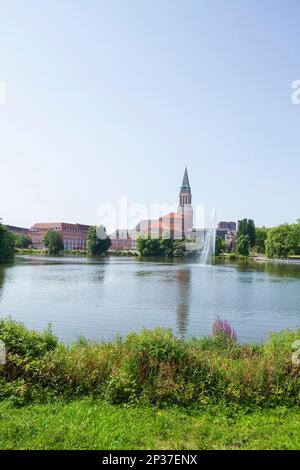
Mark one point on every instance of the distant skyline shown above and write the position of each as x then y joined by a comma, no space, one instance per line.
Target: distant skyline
110,98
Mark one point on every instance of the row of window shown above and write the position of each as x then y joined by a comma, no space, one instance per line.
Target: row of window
69,229
73,245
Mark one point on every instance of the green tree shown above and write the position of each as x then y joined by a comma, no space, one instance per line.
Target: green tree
261,234
6,244
296,237
149,246
247,227
251,232
220,246
160,247
243,227
283,241
243,245
53,242
22,241
167,246
98,241
179,248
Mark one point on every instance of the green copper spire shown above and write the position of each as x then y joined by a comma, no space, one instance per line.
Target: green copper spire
185,182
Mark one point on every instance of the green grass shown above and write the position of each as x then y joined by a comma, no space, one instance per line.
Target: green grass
148,391
90,424
30,251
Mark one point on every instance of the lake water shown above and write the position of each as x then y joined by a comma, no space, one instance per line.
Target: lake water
100,298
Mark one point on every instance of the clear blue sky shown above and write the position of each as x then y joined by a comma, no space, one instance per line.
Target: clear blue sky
109,98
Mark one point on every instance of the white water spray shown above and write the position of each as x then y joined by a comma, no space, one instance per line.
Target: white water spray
209,245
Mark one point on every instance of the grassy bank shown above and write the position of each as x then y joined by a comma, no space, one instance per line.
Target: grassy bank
153,367
233,257
30,251
87,424
148,391
34,251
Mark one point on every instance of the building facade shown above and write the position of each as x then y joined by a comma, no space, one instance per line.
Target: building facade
74,235
122,240
175,225
228,232
227,226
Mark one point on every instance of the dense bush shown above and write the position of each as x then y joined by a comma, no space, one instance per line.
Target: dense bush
283,241
6,243
160,247
261,234
153,366
26,343
21,240
54,243
98,242
220,246
243,245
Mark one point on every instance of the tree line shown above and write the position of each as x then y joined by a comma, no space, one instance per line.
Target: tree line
279,242
148,246
53,242
6,244
9,241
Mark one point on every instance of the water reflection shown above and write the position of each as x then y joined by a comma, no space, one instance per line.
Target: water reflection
281,269
2,278
183,278
97,277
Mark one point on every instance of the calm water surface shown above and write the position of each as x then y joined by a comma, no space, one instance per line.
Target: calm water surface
99,298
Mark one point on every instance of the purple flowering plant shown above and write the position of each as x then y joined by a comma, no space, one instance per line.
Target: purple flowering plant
221,328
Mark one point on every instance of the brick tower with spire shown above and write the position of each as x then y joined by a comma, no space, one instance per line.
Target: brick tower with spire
185,195
185,208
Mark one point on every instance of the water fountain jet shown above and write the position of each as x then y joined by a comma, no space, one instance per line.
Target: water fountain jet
209,244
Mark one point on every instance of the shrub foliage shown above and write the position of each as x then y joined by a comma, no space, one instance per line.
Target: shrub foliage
153,366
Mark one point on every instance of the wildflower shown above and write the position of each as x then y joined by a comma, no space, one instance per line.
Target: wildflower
223,328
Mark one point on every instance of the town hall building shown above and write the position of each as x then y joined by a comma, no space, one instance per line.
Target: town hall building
174,225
